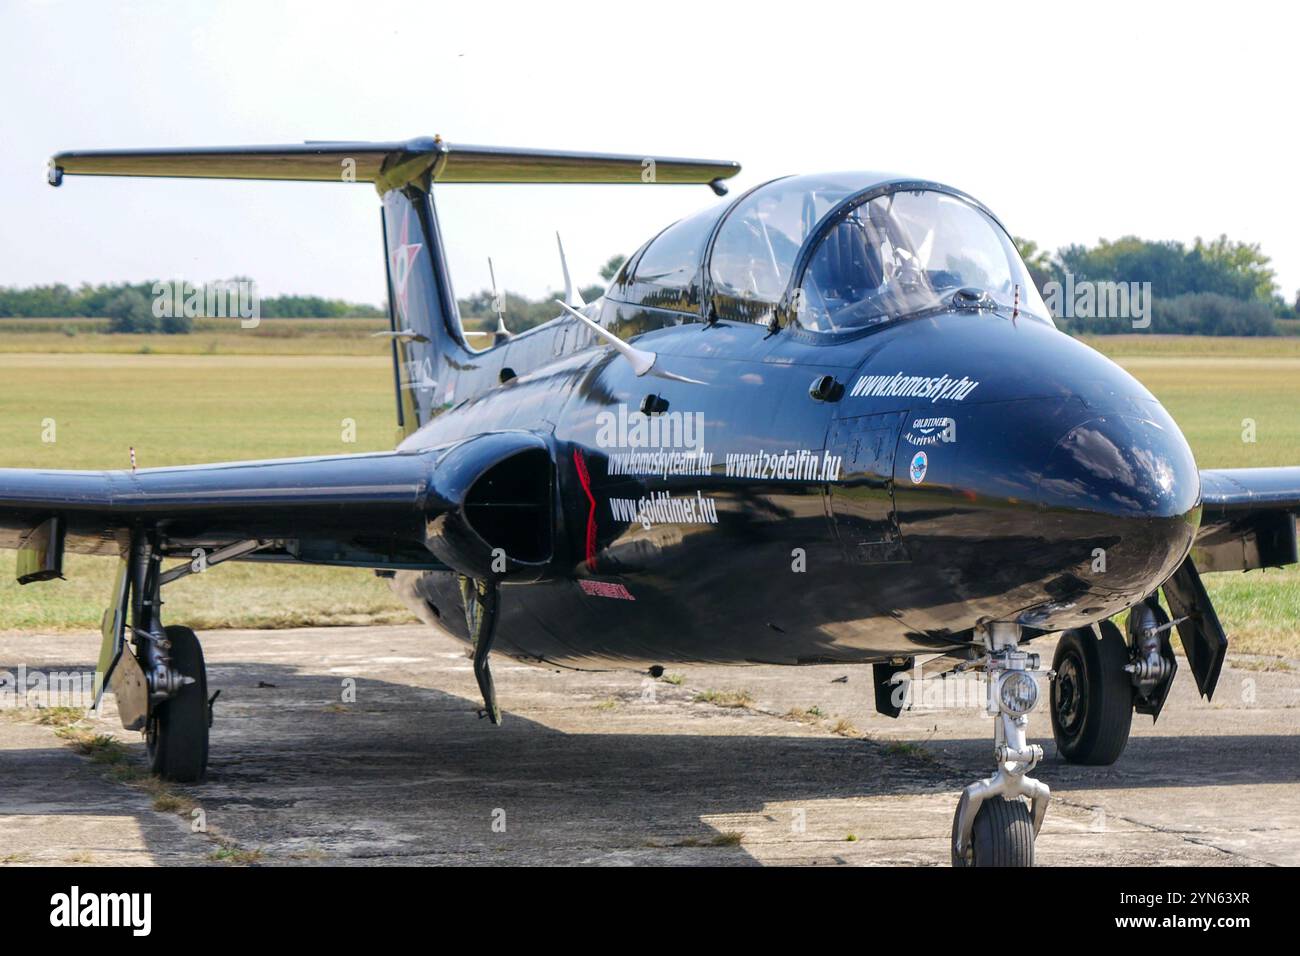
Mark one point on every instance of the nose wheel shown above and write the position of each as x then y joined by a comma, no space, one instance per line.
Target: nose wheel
993,825
1002,834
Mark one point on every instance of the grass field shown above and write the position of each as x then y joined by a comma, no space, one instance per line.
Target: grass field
1211,386
210,337
276,392
178,409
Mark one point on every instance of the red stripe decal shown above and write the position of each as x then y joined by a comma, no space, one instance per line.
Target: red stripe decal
585,480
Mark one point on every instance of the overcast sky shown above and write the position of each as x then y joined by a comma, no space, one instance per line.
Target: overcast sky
1070,122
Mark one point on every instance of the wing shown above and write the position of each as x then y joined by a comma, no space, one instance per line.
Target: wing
428,509
1248,518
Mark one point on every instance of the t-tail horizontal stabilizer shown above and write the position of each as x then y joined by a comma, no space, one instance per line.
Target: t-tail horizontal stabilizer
428,342
391,165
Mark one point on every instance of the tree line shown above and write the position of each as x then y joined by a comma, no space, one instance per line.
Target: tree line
132,306
479,311
1219,287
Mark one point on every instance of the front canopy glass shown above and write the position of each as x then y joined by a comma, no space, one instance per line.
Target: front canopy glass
907,252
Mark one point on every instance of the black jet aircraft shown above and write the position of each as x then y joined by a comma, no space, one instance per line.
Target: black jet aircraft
830,420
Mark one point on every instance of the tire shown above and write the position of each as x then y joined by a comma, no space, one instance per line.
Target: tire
1003,834
177,731
1092,696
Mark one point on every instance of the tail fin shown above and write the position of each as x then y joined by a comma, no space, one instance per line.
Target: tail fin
427,340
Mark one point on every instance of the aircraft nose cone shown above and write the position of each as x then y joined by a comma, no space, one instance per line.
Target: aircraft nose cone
1129,488
1122,466
1055,514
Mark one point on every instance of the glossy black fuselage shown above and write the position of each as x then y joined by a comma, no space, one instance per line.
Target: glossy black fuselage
1054,491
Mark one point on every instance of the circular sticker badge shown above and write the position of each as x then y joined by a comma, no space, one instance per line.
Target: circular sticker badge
919,464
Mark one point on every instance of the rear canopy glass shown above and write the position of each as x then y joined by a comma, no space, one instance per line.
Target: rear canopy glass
759,241
667,276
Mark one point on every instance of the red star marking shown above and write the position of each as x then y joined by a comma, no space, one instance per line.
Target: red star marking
403,259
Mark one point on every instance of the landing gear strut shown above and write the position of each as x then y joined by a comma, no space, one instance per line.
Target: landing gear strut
992,825
481,599
178,712
161,685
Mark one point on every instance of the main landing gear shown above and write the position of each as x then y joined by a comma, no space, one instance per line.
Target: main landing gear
993,826
157,673
1101,679
178,713
1092,695
176,731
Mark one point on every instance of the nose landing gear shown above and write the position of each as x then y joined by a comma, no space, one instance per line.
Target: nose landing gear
992,825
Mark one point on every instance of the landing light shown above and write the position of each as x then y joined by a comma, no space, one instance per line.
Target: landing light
1018,693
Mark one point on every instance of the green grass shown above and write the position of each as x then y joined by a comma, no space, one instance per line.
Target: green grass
1209,385
199,398
179,409
102,748
725,698
231,595
210,337
345,336
1208,346
1211,397
182,409
905,748
236,856
1259,610
60,716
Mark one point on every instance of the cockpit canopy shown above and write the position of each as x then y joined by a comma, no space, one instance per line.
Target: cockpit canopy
840,252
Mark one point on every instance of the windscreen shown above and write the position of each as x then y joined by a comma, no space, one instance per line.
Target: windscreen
907,252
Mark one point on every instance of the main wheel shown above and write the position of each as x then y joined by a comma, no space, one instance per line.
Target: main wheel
1003,834
177,732
1092,695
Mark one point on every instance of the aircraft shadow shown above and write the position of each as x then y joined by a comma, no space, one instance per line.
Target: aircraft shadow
409,773
1153,761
